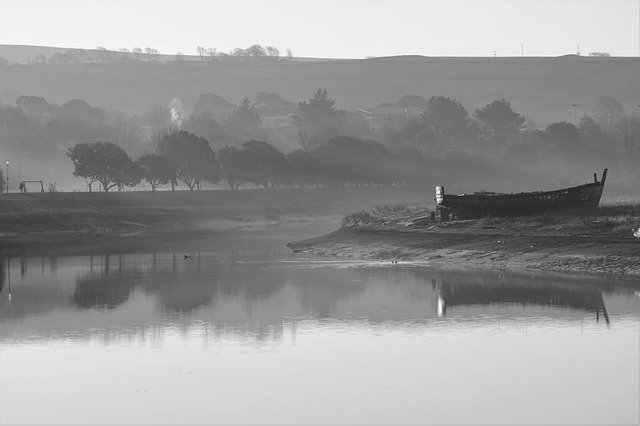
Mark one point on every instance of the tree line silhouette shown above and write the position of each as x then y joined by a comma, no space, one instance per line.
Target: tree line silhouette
335,147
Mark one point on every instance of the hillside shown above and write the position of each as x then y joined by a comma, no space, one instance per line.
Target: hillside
541,88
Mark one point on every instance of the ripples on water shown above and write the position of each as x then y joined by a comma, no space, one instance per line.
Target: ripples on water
241,331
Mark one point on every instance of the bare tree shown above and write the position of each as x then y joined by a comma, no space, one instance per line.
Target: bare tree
201,51
79,55
239,52
137,53
212,52
273,52
124,54
124,131
289,54
152,54
101,54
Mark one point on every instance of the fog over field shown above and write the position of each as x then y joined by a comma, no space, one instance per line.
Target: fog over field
499,123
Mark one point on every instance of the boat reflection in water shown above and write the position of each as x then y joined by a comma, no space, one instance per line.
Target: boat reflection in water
562,295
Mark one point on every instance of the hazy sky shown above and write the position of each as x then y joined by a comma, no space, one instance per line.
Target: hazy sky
346,29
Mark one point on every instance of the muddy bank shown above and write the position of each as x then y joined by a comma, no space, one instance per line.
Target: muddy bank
599,242
556,253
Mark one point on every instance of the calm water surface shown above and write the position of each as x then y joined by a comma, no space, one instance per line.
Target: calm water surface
244,332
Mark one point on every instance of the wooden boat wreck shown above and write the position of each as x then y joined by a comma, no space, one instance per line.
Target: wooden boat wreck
484,204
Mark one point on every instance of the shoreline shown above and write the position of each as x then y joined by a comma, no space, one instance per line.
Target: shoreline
471,245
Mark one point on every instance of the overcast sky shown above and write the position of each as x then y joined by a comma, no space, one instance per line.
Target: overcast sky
345,29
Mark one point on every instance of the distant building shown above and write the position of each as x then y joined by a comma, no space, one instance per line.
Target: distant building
381,114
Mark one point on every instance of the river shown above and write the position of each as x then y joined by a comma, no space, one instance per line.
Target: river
233,328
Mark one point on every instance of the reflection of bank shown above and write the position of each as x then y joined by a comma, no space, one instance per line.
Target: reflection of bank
8,276
562,295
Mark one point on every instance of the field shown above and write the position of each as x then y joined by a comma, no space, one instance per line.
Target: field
543,89
65,217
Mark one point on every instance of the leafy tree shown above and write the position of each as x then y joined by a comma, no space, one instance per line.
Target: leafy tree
256,51
234,166
306,168
592,133
500,121
346,160
317,120
412,135
213,105
104,162
3,61
266,165
33,106
206,126
80,109
194,158
413,101
157,170
563,133
448,119
245,122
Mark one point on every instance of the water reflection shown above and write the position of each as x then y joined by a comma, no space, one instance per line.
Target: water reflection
467,291
258,295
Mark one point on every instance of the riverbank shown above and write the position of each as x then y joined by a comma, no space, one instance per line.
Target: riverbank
63,218
599,241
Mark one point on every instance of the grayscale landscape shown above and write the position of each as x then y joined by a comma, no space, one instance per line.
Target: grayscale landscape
358,212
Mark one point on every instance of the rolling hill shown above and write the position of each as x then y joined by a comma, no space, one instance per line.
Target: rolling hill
541,88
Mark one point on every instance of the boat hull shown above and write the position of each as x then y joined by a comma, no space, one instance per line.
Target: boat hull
479,205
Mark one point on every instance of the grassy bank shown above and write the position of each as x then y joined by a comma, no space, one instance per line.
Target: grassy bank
599,240
46,216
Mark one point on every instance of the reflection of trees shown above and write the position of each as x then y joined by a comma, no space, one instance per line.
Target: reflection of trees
2,273
105,289
321,292
183,291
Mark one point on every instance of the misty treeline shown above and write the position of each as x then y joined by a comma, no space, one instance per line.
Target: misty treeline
182,157
148,54
271,142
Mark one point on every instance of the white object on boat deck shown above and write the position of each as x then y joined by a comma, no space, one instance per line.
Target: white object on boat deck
637,233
